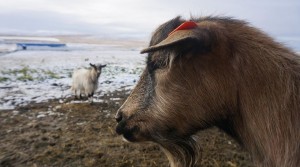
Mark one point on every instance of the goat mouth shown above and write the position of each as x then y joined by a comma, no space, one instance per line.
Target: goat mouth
129,134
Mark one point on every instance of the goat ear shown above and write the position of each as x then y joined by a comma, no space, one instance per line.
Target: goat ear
102,66
183,37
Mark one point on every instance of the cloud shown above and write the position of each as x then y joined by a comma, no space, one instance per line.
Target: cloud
38,21
140,18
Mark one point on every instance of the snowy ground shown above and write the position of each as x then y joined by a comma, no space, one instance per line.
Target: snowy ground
40,75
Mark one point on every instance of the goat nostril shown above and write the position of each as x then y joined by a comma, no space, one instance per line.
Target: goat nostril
118,117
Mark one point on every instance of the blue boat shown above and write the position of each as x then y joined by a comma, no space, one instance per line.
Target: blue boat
32,43
25,46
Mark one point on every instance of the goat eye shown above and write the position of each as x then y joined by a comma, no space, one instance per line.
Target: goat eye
156,61
154,65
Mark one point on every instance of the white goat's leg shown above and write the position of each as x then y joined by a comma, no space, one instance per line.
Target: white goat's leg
90,99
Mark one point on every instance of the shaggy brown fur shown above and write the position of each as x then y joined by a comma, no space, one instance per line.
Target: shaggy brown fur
223,73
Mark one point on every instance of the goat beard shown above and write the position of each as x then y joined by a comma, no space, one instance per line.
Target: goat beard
181,152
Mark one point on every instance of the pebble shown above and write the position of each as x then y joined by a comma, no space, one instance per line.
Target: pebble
107,115
41,116
15,112
80,123
58,107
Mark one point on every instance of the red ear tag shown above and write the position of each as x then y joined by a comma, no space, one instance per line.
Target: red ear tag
185,26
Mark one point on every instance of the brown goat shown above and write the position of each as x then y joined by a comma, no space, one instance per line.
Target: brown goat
221,73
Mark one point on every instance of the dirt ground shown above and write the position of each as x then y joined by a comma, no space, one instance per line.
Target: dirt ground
81,134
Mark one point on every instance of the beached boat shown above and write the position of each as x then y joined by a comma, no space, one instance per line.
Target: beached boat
30,43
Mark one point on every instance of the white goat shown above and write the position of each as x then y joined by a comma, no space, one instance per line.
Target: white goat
85,81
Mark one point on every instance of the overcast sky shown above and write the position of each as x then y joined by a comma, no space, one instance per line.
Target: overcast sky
138,18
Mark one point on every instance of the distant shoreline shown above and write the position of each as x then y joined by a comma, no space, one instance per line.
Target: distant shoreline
94,39
99,40
88,39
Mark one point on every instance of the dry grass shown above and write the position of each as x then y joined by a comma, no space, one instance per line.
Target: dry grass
83,135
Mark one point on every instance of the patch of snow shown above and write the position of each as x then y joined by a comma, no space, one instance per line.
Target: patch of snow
78,101
4,48
39,75
46,113
115,99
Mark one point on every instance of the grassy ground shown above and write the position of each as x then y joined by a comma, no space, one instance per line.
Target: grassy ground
83,134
